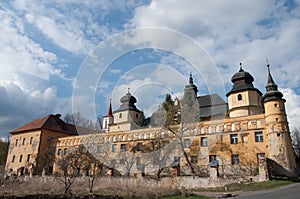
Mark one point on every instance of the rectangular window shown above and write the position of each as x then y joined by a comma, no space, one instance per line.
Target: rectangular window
261,158
99,149
89,148
65,151
59,152
114,148
212,158
13,158
234,139
28,157
204,141
194,159
31,140
24,140
259,136
122,161
123,148
186,143
21,157
138,161
17,142
176,159
235,159
139,146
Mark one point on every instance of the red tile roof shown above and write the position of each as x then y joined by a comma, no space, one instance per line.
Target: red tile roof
50,122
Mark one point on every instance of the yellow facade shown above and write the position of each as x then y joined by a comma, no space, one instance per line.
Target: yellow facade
255,128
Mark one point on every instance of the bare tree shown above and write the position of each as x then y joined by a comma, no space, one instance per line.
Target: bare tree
127,159
189,109
82,121
77,159
161,156
295,135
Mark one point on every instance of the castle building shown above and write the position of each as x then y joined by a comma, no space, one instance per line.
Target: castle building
238,136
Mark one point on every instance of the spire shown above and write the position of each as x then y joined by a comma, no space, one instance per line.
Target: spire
191,84
272,92
191,79
270,78
109,112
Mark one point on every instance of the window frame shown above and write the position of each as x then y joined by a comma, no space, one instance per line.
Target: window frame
114,148
139,146
186,143
28,157
212,157
123,147
204,141
194,159
239,97
235,159
234,138
259,136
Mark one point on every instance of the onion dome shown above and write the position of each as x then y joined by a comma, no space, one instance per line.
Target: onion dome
127,103
242,80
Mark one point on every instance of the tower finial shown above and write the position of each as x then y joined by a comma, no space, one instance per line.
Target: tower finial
241,67
191,78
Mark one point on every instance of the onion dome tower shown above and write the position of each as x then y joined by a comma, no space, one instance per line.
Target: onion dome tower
243,99
108,119
281,154
127,114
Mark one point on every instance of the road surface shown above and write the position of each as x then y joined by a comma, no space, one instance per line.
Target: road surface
287,192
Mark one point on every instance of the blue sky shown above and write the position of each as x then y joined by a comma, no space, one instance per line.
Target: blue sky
46,45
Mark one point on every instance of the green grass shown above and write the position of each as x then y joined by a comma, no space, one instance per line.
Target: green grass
187,197
252,186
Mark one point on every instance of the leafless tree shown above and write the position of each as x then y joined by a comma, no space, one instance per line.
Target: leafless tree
189,119
82,121
77,159
161,156
295,136
127,158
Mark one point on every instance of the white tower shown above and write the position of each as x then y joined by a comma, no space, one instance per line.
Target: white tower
108,119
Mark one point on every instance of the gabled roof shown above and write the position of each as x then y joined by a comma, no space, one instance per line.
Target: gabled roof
50,122
210,100
211,105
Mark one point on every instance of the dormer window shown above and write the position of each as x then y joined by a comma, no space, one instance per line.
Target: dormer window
239,97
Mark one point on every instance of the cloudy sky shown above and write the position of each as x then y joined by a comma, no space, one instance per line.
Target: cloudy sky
65,56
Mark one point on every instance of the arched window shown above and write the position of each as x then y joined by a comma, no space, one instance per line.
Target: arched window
240,97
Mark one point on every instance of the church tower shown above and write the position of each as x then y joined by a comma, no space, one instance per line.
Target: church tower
108,119
126,116
243,99
281,154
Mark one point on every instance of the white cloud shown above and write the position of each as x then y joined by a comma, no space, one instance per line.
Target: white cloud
237,31
24,76
292,107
